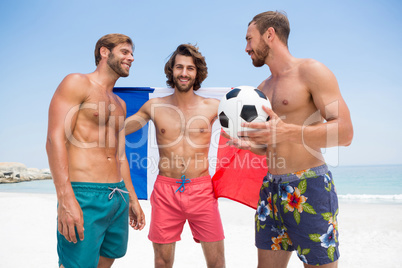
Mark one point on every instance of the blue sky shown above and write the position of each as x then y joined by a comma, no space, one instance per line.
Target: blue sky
43,41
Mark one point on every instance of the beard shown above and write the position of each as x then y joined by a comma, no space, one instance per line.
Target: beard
181,88
115,65
261,53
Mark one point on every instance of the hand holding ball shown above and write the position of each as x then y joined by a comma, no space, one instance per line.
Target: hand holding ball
242,104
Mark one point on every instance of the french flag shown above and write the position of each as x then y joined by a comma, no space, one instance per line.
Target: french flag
236,174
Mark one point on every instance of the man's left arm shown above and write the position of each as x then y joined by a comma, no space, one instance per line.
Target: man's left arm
137,217
324,89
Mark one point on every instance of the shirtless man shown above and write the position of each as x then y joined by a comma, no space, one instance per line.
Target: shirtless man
183,189
298,204
86,151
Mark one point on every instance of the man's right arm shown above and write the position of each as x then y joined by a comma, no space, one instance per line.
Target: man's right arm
68,96
139,119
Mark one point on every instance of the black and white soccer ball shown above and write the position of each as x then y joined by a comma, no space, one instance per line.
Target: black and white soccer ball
242,104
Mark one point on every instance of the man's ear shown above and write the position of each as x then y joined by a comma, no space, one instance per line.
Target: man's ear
269,35
104,52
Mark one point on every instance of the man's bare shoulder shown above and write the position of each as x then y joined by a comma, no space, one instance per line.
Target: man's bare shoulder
317,77
77,78
311,70
159,100
210,101
208,106
308,67
207,103
75,83
264,83
165,99
151,104
74,87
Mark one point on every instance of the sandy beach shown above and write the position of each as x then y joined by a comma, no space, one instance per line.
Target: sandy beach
370,235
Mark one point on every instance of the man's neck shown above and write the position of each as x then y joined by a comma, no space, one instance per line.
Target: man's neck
104,79
280,60
183,99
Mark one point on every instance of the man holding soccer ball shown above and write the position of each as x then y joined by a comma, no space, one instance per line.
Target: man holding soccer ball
298,204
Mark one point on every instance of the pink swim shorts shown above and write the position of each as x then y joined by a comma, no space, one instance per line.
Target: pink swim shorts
176,200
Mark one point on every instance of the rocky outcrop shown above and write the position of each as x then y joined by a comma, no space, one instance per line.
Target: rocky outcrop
16,172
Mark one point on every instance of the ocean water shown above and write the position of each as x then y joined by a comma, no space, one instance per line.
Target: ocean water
353,184
369,183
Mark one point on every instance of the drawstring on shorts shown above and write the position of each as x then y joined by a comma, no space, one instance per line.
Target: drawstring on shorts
183,181
120,191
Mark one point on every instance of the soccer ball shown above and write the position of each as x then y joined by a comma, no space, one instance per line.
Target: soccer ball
242,104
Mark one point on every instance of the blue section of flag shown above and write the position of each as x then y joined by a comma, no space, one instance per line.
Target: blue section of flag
137,142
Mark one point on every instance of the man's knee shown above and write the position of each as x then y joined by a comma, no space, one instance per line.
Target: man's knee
214,254
218,262
105,262
164,255
161,262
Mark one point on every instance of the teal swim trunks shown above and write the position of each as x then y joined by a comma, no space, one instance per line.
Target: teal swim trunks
105,210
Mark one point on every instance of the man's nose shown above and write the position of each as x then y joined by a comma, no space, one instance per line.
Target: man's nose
248,49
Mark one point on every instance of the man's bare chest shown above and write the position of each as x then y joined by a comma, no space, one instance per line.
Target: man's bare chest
102,111
287,96
177,125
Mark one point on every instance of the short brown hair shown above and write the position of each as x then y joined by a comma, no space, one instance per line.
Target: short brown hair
199,61
275,19
110,41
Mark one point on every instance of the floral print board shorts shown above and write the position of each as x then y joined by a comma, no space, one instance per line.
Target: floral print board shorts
298,211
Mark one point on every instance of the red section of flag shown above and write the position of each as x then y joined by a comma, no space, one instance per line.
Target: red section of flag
239,174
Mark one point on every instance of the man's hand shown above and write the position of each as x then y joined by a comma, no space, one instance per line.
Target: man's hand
238,143
137,217
70,217
266,133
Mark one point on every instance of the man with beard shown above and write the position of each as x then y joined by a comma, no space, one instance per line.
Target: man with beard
86,151
183,189
298,204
